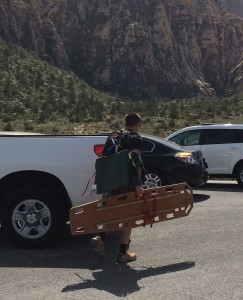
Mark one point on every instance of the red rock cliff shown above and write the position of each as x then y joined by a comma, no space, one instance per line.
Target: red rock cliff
135,48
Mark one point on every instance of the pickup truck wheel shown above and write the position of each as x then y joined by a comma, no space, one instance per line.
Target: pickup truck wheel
32,217
239,175
152,179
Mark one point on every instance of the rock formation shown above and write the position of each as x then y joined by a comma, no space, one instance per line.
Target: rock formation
132,48
235,83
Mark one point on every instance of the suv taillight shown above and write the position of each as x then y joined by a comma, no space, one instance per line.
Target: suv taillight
187,157
98,149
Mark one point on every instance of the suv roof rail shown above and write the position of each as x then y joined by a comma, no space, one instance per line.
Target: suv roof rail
217,124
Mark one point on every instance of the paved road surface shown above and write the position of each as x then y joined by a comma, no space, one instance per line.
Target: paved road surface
197,257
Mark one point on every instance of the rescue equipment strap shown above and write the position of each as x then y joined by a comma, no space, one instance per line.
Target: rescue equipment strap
148,214
88,185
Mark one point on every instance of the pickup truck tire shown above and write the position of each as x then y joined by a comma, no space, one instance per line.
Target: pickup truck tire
33,216
153,178
239,174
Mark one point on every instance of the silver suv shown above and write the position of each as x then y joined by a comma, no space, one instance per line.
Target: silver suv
222,145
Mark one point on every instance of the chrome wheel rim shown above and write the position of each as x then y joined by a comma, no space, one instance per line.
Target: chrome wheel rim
151,181
31,219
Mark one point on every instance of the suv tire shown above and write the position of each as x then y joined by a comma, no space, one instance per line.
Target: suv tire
239,175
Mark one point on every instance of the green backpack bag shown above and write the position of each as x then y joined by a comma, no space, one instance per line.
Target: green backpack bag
113,172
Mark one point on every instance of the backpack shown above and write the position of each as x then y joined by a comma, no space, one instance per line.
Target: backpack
115,169
115,142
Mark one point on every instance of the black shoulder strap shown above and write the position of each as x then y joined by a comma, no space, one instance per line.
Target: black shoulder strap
123,139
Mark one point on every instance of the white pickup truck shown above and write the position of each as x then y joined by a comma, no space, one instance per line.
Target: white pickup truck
41,177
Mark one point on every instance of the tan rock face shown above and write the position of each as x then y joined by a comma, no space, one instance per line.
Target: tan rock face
235,83
135,48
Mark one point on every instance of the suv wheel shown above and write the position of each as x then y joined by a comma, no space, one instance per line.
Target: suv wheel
239,174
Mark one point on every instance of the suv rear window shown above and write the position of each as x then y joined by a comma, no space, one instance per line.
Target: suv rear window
187,138
221,136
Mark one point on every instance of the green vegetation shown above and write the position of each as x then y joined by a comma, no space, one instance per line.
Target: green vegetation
37,97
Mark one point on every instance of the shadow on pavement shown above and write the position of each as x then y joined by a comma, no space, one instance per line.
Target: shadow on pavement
122,280
220,186
200,197
72,252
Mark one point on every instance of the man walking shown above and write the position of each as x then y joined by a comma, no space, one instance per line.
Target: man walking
131,141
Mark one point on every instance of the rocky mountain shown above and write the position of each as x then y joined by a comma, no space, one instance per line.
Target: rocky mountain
132,48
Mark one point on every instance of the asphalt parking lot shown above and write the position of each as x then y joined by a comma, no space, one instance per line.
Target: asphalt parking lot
197,257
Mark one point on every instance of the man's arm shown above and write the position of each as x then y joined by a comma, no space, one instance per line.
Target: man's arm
138,162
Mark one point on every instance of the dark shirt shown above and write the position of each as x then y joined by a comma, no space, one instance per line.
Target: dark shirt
132,140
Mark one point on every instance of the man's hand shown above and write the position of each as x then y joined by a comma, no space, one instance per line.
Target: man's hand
139,190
